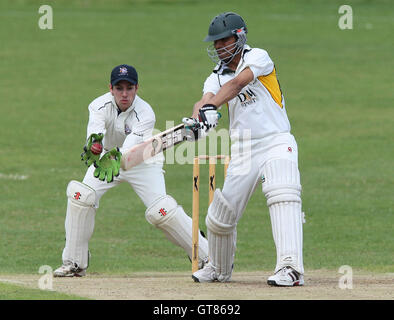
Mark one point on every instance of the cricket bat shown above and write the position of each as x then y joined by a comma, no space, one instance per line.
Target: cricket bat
156,144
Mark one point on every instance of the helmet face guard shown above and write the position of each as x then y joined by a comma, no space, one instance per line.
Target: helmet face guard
227,53
222,26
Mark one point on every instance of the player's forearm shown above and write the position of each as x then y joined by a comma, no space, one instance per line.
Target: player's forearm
204,100
229,91
94,129
96,124
232,88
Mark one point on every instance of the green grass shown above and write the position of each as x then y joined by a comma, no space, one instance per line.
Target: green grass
338,90
16,292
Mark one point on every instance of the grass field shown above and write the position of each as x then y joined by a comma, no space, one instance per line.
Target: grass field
339,95
18,292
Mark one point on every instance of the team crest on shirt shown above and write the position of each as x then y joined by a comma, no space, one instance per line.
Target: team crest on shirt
122,71
247,97
127,129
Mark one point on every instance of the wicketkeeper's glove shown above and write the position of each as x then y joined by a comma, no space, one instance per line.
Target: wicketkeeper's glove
108,166
88,156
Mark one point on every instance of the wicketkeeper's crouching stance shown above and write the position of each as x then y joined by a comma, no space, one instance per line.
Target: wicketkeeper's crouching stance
119,120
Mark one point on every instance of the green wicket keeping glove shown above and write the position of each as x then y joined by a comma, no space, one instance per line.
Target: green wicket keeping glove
92,149
108,166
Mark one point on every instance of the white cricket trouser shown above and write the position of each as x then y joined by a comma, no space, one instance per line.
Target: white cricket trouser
245,174
147,180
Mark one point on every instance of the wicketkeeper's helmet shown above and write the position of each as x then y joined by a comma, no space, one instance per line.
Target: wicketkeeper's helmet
222,26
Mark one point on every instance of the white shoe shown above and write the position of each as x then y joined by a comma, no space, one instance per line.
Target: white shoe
286,277
69,269
206,274
201,262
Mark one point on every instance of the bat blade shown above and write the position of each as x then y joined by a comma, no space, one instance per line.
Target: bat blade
154,145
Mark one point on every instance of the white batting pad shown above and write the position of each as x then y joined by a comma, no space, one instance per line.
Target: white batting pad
222,235
168,216
282,188
79,223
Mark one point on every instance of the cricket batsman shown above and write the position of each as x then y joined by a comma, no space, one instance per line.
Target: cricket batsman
118,120
246,80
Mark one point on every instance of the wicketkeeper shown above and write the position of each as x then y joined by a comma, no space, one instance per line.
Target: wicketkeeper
118,120
263,152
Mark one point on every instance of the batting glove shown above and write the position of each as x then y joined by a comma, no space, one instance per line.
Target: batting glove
194,129
208,115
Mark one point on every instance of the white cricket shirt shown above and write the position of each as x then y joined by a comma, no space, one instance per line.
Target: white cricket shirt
120,129
260,106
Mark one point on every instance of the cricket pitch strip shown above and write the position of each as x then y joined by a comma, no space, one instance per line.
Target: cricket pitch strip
319,285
